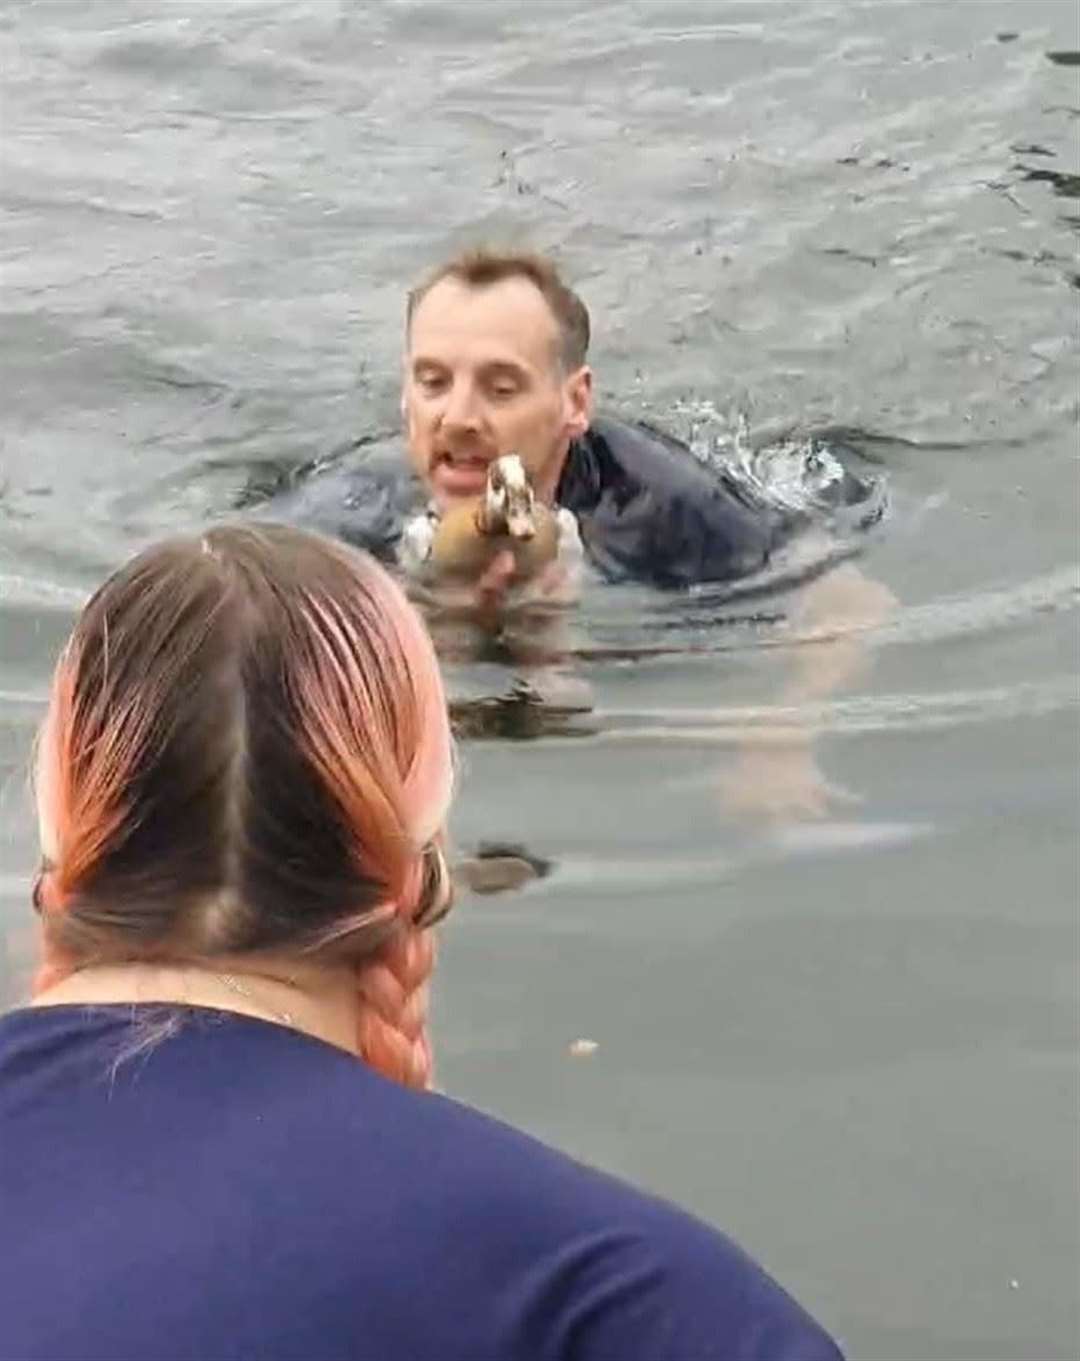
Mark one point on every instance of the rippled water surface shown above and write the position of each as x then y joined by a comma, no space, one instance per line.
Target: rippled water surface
850,1039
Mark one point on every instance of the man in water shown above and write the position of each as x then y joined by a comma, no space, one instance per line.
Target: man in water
497,362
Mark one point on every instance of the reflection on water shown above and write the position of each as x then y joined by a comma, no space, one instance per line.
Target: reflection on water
521,715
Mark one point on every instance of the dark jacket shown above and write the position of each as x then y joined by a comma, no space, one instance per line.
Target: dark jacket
647,509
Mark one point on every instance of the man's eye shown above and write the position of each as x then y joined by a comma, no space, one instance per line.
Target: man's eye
431,382
504,389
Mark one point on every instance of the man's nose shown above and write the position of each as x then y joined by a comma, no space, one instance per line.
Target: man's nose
462,410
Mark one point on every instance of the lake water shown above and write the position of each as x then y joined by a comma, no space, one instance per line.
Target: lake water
849,1040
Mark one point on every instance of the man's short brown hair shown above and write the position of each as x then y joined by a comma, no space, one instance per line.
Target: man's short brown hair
480,268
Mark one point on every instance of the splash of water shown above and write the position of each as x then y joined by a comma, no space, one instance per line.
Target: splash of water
796,475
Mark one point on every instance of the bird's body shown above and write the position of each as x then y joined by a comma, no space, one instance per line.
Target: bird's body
506,518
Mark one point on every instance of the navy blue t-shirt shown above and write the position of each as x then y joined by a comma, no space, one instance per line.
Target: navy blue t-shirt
240,1190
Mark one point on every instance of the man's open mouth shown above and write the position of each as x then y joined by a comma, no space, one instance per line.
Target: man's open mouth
454,460
460,474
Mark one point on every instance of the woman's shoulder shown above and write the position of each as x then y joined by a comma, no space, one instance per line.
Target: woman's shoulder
291,1125
652,1279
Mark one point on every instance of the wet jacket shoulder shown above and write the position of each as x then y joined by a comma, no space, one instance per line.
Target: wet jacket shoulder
365,504
649,511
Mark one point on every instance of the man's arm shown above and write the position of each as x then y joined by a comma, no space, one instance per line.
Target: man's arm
777,775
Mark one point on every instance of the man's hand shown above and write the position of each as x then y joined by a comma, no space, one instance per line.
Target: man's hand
493,586
557,584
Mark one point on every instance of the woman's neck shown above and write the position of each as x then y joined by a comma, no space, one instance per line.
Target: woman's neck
322,1002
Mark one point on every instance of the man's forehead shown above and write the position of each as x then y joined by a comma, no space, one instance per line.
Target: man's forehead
510,318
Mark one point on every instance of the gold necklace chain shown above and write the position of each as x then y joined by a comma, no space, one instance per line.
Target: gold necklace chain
234,985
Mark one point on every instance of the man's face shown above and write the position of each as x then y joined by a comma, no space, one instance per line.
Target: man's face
483,379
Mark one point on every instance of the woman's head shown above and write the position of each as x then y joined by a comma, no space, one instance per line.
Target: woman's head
246,750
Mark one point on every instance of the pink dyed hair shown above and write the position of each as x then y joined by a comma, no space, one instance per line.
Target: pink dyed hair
247,750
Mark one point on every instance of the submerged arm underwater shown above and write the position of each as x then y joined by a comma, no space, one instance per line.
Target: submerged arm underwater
776,774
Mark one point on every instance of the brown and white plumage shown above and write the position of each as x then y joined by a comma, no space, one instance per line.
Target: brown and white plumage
506,518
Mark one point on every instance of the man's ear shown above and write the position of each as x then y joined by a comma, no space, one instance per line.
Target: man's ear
579,399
